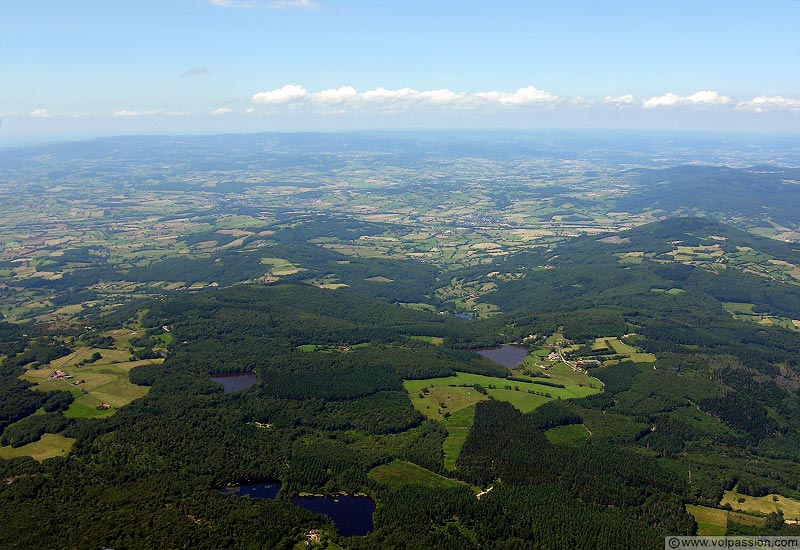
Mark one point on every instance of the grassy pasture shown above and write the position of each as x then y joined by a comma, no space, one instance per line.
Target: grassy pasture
105,381
714,521
49,446
744,312
399,473
457,425
435,340
419,306
763,505
574,434
522,400
280,267
443,399
621,348
710,521
449,390
738,308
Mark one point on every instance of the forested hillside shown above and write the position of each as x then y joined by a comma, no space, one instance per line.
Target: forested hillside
697,399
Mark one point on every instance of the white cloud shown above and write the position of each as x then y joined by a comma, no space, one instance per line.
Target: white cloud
619,101
666,100
281,96
125,113
523,96
335,96
222,111
705,97
763,104
40,113
405,98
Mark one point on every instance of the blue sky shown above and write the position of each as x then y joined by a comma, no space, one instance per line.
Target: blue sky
106,67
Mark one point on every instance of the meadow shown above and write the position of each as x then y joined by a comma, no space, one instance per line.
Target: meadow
399,473
93,384
49,446
457,425
763,505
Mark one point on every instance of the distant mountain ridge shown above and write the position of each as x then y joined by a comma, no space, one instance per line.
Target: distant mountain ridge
760,193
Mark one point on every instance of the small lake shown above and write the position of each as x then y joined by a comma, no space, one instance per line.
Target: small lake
235,381
464,316
255,490
351,514
507,355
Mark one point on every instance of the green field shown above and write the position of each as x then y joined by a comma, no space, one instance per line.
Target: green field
280,267
435,340
670,291
435,397
574,434
105,381
457,426
522,400
714,521
49,446
710,521
441,400
744,312
399,473
617,346
763,505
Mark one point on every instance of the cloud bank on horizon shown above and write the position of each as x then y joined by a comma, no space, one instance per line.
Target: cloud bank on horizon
294,98
293,95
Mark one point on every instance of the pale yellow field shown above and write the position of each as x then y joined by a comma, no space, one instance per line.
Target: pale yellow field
49,446
763,505
105,381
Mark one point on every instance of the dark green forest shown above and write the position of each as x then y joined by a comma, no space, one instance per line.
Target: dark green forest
718,409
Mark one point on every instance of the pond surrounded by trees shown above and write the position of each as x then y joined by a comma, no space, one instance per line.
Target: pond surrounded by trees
235,381
507,355
351,514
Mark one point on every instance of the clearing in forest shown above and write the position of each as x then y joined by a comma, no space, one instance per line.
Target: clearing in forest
49,446
399,473
457,425
104,381
763,505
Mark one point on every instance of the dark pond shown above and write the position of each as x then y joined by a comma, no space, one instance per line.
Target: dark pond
235,381
352,515
507,355
255,490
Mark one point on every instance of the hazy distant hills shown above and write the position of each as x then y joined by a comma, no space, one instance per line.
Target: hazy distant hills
760,193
